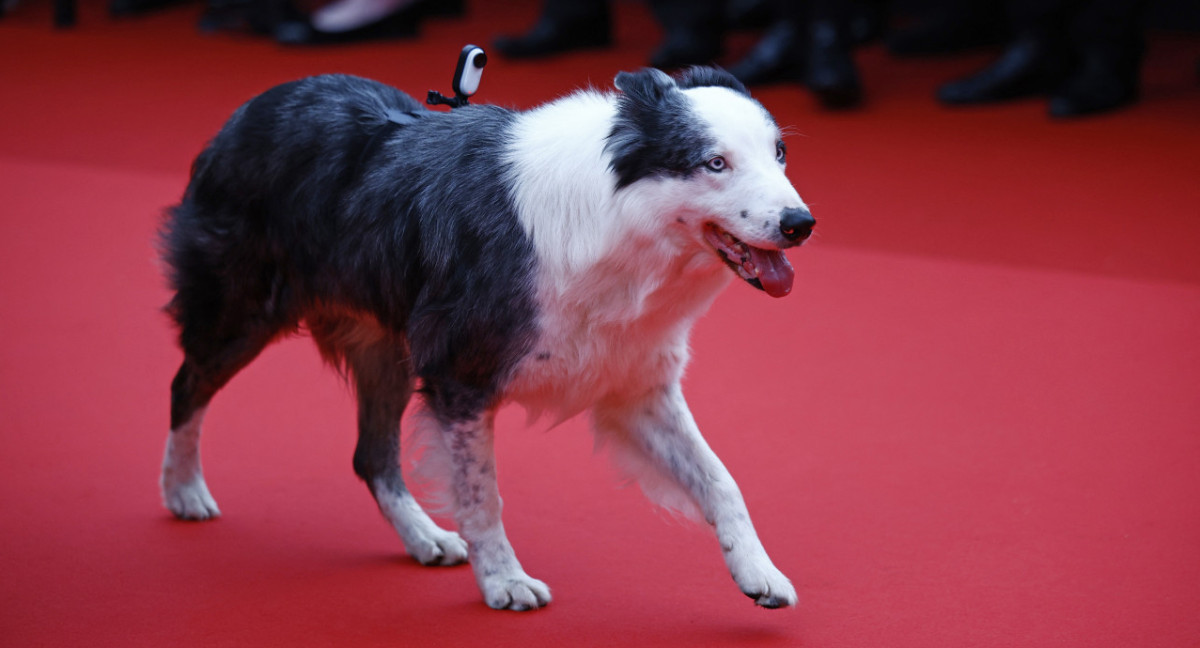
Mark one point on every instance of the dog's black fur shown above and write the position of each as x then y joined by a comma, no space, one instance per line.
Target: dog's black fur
317,205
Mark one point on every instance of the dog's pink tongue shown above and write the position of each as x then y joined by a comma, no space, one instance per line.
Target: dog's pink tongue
774,272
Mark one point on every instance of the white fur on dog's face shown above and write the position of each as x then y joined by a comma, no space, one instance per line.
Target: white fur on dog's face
746,196
654,142
730,200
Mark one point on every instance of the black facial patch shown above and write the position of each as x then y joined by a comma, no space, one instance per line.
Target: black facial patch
655,130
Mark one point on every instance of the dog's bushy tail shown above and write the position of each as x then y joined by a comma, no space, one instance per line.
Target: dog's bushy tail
259,189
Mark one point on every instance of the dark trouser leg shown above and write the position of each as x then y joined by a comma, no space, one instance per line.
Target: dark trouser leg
564,25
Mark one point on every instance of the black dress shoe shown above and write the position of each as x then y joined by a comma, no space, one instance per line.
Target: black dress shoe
830,72
554,36
1098,86
777,56
1027,67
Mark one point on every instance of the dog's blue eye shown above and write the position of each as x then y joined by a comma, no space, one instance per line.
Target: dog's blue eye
717,164
780,152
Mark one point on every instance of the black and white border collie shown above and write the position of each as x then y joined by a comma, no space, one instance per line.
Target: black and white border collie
555,258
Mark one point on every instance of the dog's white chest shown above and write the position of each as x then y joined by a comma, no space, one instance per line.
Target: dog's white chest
612,335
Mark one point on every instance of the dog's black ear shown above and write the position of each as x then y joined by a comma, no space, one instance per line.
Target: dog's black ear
697,76
647,85
654,130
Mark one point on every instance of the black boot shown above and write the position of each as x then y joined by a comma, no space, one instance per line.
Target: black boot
777,56
563,26
693,32
1099,85
1026,67
1109,43
829,69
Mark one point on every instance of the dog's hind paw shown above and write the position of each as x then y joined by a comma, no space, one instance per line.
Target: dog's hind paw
437,546
190,500
768,587
515,592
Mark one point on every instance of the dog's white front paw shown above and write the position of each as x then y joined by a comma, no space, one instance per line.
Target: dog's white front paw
190,499
514,591
437,546
761,581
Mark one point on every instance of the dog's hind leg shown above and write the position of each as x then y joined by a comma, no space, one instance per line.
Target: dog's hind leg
379,366
206,367
660,431
225,319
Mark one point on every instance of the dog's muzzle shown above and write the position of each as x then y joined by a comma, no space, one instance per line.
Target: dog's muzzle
796,224
765,269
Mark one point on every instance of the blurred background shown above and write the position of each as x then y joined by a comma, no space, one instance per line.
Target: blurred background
974,422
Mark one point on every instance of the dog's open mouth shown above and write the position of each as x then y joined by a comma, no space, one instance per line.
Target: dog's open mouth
767,270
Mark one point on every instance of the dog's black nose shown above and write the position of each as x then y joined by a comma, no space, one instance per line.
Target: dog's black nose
796,223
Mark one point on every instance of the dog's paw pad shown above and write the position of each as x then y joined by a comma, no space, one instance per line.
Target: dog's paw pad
773,600
440,548
190,500
518,593
769,588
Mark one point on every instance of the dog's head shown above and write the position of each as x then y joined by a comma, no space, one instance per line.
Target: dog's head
717,160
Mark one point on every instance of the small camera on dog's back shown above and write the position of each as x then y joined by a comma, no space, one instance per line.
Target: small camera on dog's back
469,70
467,74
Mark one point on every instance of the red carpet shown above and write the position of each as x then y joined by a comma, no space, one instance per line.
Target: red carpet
976,422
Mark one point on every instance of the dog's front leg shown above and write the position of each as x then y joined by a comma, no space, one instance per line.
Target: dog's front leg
659,427
503,581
